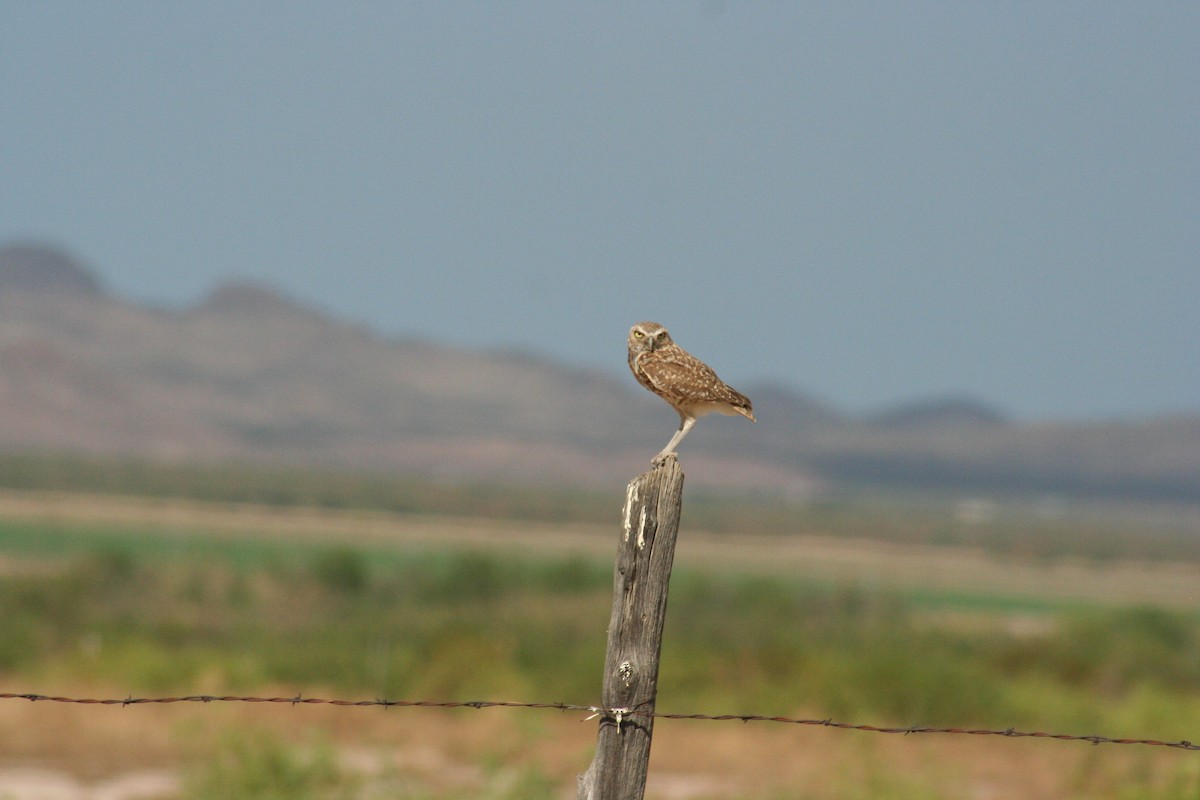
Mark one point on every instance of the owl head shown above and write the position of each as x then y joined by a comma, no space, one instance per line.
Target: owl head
647,336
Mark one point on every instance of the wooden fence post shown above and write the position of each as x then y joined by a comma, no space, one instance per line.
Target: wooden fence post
640,579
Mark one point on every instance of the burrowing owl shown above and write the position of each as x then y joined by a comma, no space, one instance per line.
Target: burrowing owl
684,381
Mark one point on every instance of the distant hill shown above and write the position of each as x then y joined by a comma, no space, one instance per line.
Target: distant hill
250,374
32,267
940,412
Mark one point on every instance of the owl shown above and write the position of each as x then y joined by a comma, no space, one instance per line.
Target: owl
684,381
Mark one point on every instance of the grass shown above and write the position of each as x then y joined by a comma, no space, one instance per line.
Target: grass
259,765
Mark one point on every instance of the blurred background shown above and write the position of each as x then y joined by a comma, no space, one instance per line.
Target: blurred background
312,377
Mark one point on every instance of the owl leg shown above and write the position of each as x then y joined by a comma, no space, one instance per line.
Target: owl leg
685,425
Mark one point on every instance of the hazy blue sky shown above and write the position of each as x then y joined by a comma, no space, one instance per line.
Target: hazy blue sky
872,202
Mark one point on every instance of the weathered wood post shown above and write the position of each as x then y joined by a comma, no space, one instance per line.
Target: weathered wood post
640,578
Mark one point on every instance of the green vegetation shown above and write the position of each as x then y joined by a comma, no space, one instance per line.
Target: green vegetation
257,765
134,613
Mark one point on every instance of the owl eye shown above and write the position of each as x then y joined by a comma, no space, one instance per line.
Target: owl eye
638,335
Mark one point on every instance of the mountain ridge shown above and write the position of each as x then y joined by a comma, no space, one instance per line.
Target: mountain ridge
250,374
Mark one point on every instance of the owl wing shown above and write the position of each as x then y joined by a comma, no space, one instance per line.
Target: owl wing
683,378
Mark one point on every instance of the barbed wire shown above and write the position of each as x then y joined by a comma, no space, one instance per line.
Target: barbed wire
616,714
